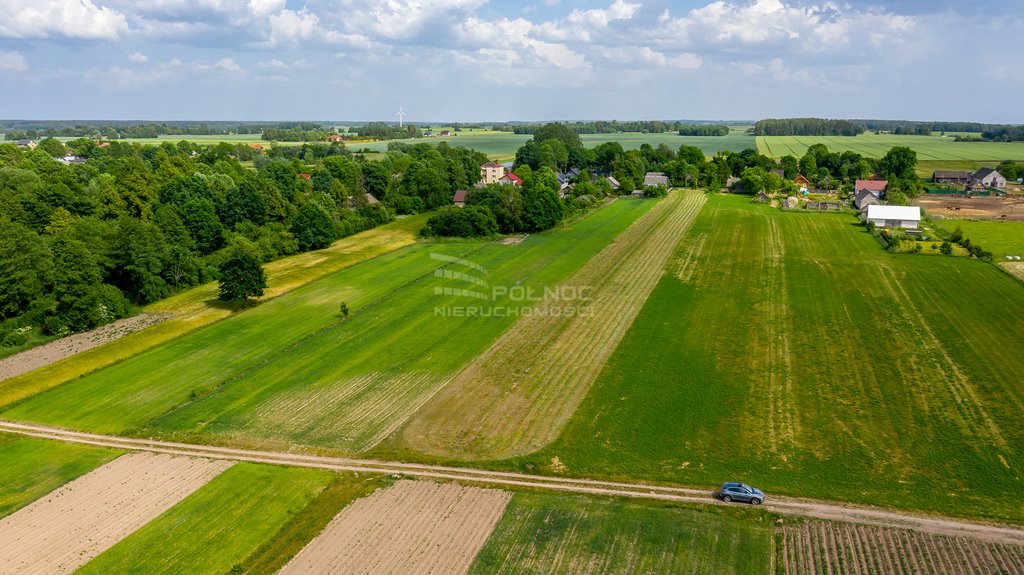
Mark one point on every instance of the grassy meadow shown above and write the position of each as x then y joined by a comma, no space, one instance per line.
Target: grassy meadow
30,468
544,534
869,145
217,527
787,350
999,237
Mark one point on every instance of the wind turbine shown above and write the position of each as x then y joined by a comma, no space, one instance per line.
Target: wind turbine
401,117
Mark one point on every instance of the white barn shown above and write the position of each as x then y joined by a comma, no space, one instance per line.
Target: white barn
906,217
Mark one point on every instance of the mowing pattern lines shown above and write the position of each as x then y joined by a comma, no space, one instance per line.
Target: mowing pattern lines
64,530
515,397
825,548
412,528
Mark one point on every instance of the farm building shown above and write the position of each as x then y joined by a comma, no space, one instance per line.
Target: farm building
905,217
446,133
26,143
950,177
459,198
989,178
510,179
779,173
334,138
613,182
565,178
655,179
864,198
638,194
732,183
491,172
801,180
876,187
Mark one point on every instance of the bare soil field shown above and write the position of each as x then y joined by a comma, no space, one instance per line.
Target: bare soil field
825,548
57,350
412,528
978,208
503,405
1015,268
65,529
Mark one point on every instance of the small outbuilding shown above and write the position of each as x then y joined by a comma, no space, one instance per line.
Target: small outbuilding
459,198
903,217
638,194
613,182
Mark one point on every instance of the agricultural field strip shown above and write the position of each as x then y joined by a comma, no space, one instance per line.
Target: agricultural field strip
568,351
65,529
783,505
875,146
411,527
834,549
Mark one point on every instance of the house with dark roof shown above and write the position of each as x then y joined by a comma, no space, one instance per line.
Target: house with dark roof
989,178
655,179
459,198
446,133
780,173
864,198
950,177
638,194
26,143
763,198
511,179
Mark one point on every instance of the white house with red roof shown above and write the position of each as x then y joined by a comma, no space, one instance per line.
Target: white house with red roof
511,179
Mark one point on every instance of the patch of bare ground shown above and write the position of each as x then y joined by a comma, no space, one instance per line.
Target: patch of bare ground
65,529
978,207
827,548
411,528
64,347
1016,269
515,397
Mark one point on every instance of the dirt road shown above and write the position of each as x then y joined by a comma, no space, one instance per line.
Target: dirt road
782,505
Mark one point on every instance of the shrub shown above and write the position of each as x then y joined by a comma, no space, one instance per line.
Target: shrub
946,248
467,222
15,339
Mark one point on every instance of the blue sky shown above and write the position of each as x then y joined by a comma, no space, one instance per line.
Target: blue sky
479,60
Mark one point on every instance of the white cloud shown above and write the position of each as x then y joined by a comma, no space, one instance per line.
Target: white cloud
138,57
70,18
228,64
262,8
13,61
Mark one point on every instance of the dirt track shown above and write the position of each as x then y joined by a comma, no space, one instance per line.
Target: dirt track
413,527
65,529
65,347
783,505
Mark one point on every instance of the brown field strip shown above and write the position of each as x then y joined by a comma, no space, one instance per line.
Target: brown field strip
65,529
825,548
412,528
503,404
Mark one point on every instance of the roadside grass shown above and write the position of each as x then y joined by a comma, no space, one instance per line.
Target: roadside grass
218,526
794,354
928,148
129,394
351,385
199,307
547,534
30,468
305,525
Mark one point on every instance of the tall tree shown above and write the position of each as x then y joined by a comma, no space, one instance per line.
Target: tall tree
241,276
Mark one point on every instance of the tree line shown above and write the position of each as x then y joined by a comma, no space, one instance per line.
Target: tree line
18,129
604,127
806,127
704,130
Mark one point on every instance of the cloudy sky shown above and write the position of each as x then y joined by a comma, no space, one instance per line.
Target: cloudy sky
480,60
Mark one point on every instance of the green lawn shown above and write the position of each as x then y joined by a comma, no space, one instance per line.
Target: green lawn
545,534
217,527
30,468
1000,238
870,145
789,351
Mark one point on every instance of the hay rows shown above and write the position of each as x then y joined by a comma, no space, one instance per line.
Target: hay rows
821,548
515,397
64,530
412,528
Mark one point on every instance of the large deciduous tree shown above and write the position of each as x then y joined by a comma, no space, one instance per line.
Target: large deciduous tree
241,276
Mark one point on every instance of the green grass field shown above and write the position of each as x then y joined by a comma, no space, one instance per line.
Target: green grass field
828,368
217,527
542,534
1000,238
31,468
928,148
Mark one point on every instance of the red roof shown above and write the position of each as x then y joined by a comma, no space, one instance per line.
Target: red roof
305,176
257,147
460,196
513,178
872,185
334,137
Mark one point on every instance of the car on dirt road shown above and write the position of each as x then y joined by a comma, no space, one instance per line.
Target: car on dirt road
740,492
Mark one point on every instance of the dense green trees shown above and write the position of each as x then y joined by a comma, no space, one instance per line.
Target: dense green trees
312,228
467,222
241,276
806,127
704,130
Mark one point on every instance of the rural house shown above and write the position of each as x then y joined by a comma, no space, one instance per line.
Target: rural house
950,177
655,179
904,217
491,172
763,198
613,182
780,173
446,133
459,199
801,180
26,143
989,178
510,179
876,187
864,198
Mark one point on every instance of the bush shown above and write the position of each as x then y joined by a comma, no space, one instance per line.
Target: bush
467,222
15,339
946,248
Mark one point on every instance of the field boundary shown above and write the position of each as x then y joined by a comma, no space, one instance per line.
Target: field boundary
800,507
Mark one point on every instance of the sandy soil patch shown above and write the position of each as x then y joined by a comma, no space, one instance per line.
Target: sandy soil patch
1015,268
65,347
980,208
64,530
412,528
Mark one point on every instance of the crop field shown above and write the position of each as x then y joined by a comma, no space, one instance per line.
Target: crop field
31,468
411,527
929,148
218,526
542,534
515,397
64,530
827,366
846,549
198,307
